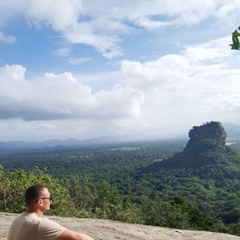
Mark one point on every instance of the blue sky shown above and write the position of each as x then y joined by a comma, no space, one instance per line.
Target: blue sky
86,68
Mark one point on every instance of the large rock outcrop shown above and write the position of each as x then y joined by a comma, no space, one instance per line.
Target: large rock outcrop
209,131
113,230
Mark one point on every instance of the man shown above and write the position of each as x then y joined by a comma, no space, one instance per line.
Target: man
235,39
32,225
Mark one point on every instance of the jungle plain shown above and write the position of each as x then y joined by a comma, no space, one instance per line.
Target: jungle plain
178,183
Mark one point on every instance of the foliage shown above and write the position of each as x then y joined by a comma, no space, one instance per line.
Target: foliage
14,184
177,213
151,182
97,201
101,201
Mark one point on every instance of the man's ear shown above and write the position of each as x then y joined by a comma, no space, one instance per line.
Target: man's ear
40,202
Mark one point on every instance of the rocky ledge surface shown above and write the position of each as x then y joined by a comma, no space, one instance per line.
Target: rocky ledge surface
113,230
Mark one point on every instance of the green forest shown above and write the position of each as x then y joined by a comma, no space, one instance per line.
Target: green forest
154,182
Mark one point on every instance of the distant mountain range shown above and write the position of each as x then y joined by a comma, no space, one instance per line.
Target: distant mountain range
67,143
233,133
70,142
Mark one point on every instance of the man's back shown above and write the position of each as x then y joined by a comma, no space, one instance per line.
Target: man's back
29,226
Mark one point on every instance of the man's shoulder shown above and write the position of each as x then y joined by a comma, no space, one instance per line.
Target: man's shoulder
28,217
48,223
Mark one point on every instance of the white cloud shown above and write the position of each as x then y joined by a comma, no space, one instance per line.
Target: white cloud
12,73
7,38
63,52
105,44
78,61
154,97
200,85
228,12
66,55
60,14
215,50
103,24
156,74
152,25
61,97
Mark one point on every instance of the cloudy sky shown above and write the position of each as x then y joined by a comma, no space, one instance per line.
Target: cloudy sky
87,68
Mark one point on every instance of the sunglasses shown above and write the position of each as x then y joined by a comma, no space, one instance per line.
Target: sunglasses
50,198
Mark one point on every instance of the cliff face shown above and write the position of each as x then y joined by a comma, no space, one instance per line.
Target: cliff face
209,131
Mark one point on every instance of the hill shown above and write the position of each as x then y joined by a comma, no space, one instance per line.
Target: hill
110,230
206,172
